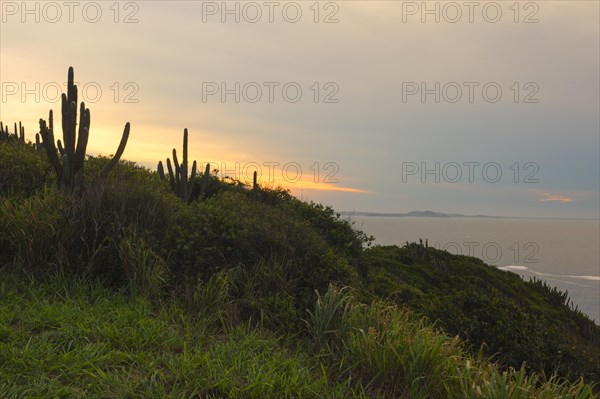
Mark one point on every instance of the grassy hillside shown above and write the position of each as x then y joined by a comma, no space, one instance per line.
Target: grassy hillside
126,290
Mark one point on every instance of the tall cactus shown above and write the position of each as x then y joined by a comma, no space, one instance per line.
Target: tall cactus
19,134
255,187
185,187
38,143
68,160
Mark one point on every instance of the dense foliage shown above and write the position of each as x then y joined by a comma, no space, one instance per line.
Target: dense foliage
258,257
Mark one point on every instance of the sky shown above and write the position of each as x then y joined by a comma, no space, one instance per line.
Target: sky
380,106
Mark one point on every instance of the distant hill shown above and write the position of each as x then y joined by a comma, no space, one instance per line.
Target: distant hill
433,214
425,214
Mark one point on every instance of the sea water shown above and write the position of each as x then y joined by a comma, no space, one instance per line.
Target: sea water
564,253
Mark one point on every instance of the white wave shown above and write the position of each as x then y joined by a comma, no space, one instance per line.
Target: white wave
518,267
560,278
568,282
513,267
591,278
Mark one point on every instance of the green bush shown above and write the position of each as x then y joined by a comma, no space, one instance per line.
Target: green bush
515,321
230,230
265,293
23,170
35,232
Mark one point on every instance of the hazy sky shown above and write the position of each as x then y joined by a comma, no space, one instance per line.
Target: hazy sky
391,106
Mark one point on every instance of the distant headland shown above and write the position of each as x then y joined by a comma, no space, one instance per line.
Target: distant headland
434,214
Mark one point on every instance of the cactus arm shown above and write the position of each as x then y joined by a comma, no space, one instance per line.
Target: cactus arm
80,151
61,149
71,88
117,155
84,129
193,188
171,175
48,142
184,176
177,169
204,181
65,121
21,132
194,166
161,170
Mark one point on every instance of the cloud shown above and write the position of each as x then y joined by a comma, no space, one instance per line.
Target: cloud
307,185
555,198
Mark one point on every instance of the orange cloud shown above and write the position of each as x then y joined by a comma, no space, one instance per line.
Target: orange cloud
555,198
308,185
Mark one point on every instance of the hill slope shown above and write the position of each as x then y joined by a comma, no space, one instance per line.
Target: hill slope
257,258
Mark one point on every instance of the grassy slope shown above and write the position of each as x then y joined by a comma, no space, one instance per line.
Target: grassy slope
212,298
522,321
79,339
72,338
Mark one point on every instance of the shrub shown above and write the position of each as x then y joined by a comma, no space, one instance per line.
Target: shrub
23,170
231,230
265,293
35,232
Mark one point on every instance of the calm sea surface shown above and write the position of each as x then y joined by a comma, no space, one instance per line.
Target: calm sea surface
565,253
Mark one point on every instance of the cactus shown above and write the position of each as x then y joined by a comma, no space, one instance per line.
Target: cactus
255,187
204,181
4,135
185,187
19,133
38,143
69,166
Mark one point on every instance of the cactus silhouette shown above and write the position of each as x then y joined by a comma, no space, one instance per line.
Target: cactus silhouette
185,187
19,134
69,158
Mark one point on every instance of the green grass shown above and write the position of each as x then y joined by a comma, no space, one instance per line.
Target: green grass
64,339
71,337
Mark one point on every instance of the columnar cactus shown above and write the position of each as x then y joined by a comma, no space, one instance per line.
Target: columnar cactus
185,187
38,143
204,181
68,160
19,134
4,135
255,187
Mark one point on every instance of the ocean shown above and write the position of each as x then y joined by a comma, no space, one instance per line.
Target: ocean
565,253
